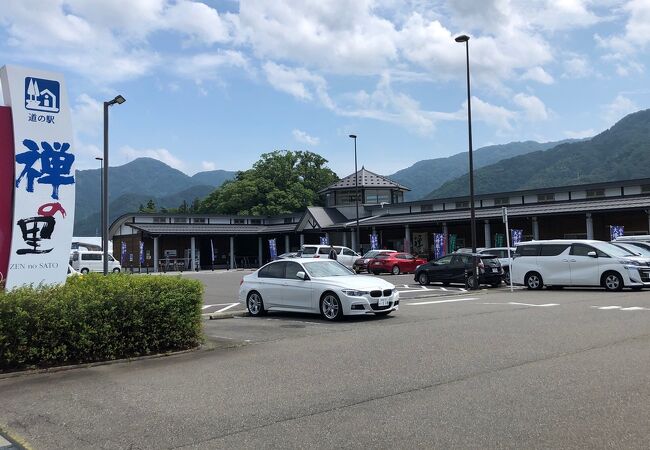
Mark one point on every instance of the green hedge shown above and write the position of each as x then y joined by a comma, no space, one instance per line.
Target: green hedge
97,318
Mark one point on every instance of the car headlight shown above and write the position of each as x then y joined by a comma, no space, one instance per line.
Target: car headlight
629,262
355,293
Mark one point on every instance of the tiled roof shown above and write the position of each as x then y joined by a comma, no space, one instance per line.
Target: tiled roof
514,211
366,179
211,229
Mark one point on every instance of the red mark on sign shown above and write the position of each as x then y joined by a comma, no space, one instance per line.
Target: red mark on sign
49,209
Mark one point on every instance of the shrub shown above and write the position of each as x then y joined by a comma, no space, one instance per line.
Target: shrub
97,318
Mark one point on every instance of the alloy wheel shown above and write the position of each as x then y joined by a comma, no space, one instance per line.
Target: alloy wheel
330,307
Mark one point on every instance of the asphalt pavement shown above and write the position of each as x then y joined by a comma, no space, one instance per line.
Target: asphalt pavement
487,369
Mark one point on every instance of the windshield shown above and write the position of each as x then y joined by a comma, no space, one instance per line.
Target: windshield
634,249
613,250
309,251
318,269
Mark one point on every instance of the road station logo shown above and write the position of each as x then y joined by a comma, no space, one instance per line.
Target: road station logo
42,95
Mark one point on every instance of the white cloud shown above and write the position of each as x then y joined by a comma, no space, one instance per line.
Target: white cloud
87,116
208,165
304,138
208,66
618,108
577,66
497,116
161,154
627,46
201,22
538,74
298,82
532,106
580,134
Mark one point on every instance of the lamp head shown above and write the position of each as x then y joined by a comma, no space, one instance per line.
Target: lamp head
353,136
119,99
462,38
99,158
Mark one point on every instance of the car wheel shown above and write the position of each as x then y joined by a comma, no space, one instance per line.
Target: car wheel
255,304
376,272
469,284
330,307
496,285
506,276
612,281
84,271
533,281
395,270
423,278
116,270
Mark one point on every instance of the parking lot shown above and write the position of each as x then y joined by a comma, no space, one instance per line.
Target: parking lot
222,288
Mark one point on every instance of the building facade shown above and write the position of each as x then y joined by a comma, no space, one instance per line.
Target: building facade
205,241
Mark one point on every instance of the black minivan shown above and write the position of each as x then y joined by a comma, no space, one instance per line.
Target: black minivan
457,268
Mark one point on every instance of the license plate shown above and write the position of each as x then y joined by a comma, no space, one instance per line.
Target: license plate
495,270
377,263
383,302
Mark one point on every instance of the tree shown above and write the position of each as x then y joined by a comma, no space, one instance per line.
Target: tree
281,182
150,208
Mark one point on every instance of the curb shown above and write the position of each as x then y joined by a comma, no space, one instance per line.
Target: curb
225,315
11,441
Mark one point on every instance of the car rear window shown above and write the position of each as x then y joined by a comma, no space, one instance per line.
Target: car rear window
527,250
309,251
382,256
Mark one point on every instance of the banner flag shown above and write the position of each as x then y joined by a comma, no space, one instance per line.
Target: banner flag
516,236
324,240
452,243
272,249
616,231
123,253
438,245
374,241
212,250
141,252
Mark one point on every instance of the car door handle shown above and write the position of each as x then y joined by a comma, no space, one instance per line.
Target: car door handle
565,260
572,260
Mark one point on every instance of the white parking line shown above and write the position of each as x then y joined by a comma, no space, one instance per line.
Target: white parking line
523,304
227,307
443,301
215,304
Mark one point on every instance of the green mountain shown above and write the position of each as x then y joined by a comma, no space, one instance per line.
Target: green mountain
620,153
135,183
426,175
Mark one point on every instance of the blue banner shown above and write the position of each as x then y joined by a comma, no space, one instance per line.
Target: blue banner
374,242
438,245
141,252
272,249
516,236
324,240
616,231
123,253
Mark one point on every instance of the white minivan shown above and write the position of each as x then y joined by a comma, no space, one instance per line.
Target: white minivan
344,255
86,261
568,262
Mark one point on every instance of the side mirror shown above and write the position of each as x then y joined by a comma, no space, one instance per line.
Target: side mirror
592,254
302,275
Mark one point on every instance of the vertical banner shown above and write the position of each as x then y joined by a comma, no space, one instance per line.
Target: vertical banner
438,245
43,174
6,188
452,243
516,236
324,240
212,251
123,253
407,246
273,249
498,240
141,252
374,241
616,231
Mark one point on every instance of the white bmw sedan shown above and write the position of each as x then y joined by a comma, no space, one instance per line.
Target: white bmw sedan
316,286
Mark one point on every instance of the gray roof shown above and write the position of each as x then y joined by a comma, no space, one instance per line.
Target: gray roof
318,217
515,211
210,229
366,179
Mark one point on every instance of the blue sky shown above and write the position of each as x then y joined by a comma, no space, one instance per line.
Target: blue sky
214,84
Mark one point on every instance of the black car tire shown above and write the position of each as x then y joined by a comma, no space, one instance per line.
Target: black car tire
255,304
533,281
469,283
423,278
376,272
506,276
84,271
612,281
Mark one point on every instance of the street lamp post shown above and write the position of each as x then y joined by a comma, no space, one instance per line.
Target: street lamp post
119,100
101,197
465,39
356,189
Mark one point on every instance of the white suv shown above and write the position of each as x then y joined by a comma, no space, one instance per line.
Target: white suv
578,263
344,255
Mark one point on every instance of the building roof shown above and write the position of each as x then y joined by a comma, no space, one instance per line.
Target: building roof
537,209
366,179
317,217
210,229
